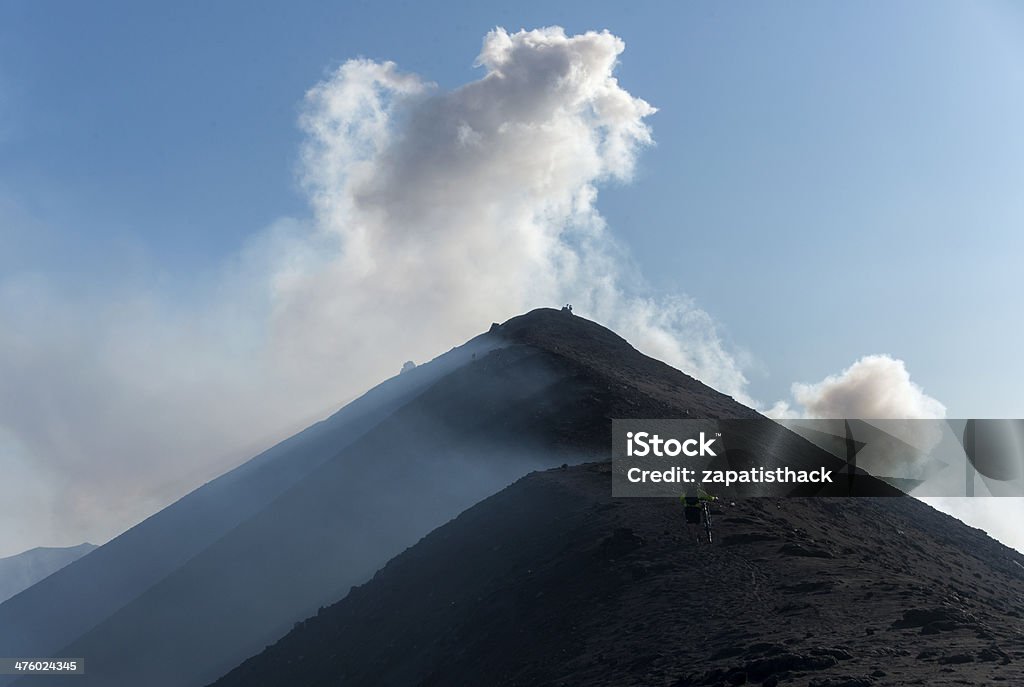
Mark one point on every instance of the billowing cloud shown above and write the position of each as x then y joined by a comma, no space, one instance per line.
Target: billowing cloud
879,387
433,213
874,387
452,209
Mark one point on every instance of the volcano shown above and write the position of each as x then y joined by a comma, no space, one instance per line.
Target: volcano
547,581
233,565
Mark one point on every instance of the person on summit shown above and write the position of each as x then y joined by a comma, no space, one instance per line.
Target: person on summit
567,308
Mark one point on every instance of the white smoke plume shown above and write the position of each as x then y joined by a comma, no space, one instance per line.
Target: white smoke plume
433,213
874,387
879,387
452,209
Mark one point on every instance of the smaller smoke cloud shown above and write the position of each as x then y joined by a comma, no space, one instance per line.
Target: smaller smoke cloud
879,387
874,387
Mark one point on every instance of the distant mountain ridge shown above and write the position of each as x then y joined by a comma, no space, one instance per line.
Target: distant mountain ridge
21,571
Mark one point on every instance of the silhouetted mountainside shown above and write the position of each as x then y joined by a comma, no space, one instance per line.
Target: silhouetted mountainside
25,569
46,617
189,593
553,582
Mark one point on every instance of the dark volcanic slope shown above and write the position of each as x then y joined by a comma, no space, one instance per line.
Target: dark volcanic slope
553,582
230,567
48,615
637,379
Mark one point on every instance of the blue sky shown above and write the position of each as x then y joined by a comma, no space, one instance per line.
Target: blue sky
828,181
